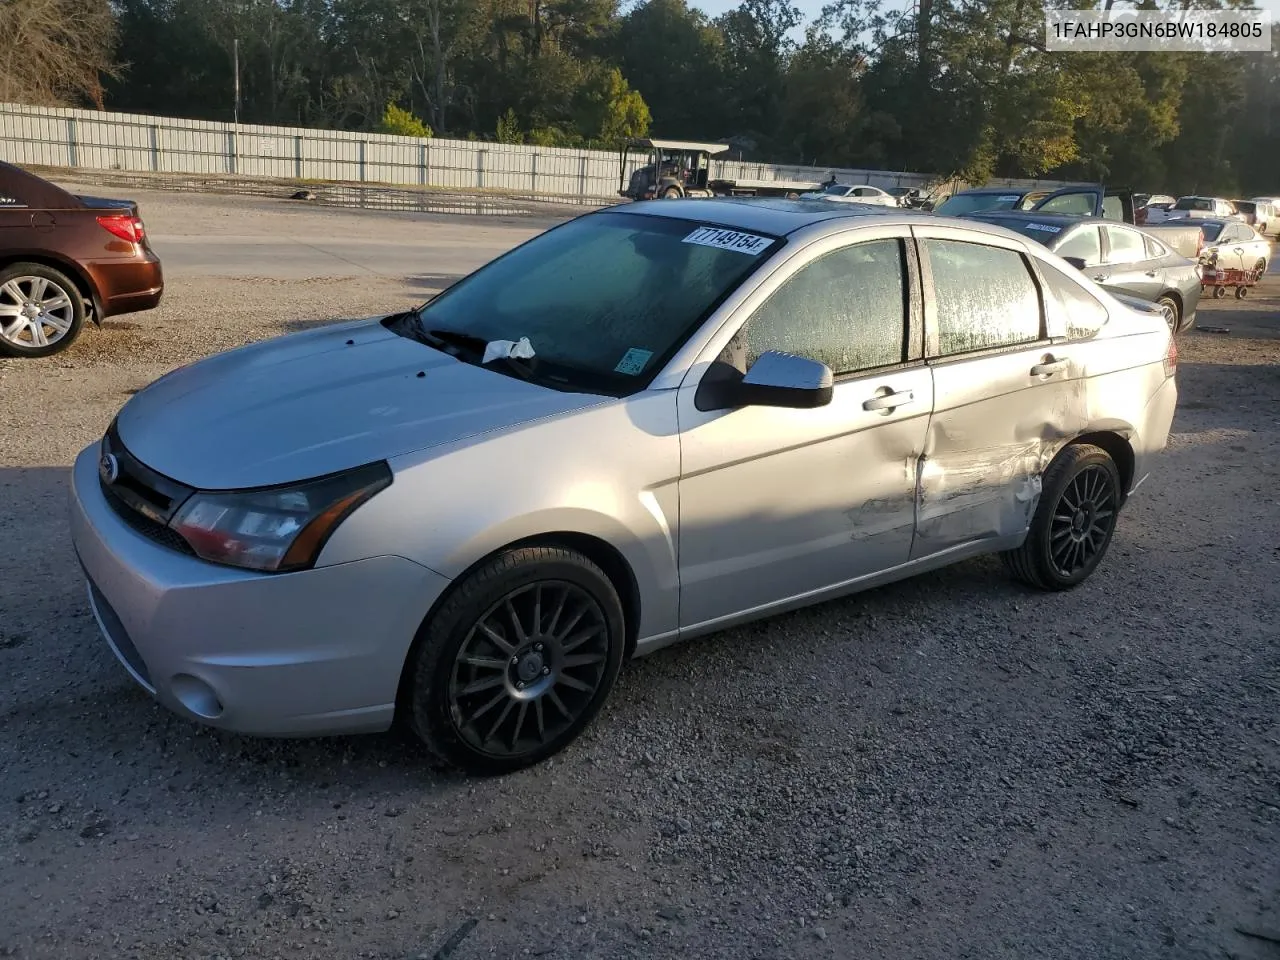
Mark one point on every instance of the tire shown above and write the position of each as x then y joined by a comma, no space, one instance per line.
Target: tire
1172,315
1261,266
544,693
26,288
1088,476
1241,292
1219,292
671,193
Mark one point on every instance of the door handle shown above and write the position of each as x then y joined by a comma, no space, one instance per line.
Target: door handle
1101,277
1152,273
1239,250
887,401
1048,368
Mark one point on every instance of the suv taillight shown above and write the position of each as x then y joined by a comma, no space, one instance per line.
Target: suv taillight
1171,358
126,228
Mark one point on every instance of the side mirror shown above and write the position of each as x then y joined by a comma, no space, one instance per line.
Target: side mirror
1077,262
784,380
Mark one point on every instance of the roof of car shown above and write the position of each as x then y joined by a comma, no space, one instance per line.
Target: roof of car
771,215
1030,216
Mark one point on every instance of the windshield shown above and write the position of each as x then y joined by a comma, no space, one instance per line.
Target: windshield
1211,231
1193,203
961,203
605,300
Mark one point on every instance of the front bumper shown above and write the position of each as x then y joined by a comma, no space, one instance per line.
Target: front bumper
309,653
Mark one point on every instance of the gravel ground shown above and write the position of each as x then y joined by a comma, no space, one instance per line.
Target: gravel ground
949,767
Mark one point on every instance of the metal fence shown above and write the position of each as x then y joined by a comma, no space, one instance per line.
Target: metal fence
87,139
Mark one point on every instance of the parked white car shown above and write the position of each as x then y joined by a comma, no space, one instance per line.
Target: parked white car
853,193
1203,207
1234,246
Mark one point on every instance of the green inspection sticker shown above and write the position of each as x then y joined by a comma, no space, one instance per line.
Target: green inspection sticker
633,361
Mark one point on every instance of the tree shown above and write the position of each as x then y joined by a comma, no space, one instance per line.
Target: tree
57,52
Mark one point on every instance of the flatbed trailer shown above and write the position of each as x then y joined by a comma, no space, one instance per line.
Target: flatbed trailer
763,188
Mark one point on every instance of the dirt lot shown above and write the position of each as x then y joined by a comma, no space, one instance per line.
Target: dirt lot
950,767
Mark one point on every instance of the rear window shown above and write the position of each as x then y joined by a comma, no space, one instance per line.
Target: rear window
1193,203
1210,231
959,204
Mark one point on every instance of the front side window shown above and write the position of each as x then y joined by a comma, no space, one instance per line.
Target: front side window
605,299
985,296
1125,246
846,309
1083,243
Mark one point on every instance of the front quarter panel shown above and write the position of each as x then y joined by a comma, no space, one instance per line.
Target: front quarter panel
610,472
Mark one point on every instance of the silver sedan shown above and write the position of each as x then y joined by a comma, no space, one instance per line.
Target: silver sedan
644,425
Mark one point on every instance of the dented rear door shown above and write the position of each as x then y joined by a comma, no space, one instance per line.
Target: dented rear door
1006,396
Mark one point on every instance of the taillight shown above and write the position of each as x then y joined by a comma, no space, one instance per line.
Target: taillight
126,228
1171,357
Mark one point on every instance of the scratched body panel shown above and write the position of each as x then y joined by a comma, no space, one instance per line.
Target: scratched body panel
994,429
776,502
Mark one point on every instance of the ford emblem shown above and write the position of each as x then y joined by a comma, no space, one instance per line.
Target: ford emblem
109,468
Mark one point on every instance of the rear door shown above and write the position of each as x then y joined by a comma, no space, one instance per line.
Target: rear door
1231,250
1005,395
1127,266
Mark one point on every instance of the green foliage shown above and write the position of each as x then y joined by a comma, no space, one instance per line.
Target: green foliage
509,128
953,87
400,122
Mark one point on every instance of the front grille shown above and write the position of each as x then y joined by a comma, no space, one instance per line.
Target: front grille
118,636
142,498
156,532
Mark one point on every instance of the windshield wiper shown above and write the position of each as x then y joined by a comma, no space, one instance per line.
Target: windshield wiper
440,339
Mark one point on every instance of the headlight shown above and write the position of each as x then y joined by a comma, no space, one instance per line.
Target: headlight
276,529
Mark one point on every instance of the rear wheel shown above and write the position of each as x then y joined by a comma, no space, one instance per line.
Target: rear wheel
1241,292
1073,522
41,311
517,660
1169,309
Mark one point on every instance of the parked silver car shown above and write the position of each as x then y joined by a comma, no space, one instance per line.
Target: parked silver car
646,424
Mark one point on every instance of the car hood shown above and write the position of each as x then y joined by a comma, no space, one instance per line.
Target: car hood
314,403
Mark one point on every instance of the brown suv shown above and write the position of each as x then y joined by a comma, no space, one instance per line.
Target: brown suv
64,257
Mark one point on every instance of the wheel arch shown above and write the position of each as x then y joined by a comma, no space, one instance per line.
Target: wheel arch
1118,448
599,551
88,292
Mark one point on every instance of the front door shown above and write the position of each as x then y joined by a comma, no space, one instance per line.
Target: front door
1005,396
776,504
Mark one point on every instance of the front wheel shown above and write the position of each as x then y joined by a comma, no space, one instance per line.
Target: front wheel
1219,292
41,311
671,193
1260,267
517,660
1073,522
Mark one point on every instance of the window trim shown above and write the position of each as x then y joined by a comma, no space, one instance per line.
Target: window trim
932,354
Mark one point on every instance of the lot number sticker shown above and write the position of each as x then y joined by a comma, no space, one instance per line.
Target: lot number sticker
633,361
1044,227
747,243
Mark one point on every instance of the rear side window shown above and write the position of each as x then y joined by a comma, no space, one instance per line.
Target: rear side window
1085,244
985,296
1155,249
1078,313
1125,246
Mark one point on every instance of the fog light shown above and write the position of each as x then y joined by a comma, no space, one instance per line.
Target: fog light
197,696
